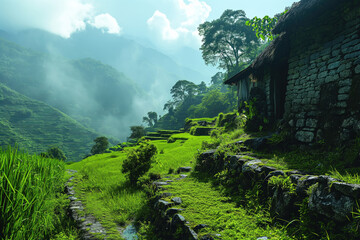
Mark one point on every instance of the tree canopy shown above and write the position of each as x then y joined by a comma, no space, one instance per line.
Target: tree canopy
228,42
264,26
101,144
151,118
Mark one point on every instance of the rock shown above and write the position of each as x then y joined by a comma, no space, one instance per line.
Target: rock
198,227
176,200
182,176
166,194
304,183
267,169
162,205
190,234
252,166
183,169
262,238
172,211
178,220
351,190
208,154
274,173
160,183
331,203
257,143
282,204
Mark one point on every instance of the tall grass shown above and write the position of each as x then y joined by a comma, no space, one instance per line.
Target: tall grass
28,194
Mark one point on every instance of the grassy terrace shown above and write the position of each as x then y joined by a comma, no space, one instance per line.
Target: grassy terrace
205,204
103,187
106,194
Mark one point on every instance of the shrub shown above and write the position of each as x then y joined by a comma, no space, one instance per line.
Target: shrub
139,161
171,140
55,153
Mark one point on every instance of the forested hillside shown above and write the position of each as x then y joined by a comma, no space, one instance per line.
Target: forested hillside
80,88
35,126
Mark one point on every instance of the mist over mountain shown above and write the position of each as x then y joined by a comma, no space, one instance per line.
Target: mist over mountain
93,93
153,71
35,126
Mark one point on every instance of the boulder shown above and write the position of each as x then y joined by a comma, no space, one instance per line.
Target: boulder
257,144
172,211
198,227
330,202
176,200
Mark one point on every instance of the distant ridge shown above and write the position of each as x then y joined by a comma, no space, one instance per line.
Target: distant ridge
36,126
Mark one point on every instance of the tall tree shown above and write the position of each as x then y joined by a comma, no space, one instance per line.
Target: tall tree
137,132
228,42
202,88
182,90
151,118
101,144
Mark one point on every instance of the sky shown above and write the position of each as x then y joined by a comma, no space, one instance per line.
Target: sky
166,23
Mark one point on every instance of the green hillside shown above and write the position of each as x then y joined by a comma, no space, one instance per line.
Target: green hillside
93,93
35,126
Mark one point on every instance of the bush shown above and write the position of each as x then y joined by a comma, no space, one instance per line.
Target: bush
171,140
55,153
138,161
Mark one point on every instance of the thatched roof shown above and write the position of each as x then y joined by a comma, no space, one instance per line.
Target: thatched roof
303,13
275,52
237,77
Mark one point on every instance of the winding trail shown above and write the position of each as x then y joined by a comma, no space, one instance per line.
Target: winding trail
89,226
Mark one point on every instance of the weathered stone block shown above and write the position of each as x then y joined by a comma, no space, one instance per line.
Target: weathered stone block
322,74
332,204
344,90
300,123
311,123
334,65
345,73
304,136
357,69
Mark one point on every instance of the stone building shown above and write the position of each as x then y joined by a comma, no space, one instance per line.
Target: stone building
310,74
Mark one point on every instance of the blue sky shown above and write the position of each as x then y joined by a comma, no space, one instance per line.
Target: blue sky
164,22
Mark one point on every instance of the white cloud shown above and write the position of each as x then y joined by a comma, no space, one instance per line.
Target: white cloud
59,17
192,14
160,22
106,21
196,12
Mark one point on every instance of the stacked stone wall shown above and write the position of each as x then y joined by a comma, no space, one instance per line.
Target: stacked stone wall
322,97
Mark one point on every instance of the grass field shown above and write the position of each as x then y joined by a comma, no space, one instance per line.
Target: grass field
103,188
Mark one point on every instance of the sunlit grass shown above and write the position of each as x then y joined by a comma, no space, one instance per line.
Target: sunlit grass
204,204
30,196
106,193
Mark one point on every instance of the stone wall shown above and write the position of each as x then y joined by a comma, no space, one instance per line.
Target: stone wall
323,91
327,198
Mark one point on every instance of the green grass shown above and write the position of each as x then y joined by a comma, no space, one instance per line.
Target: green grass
30,200
204,204
103,187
